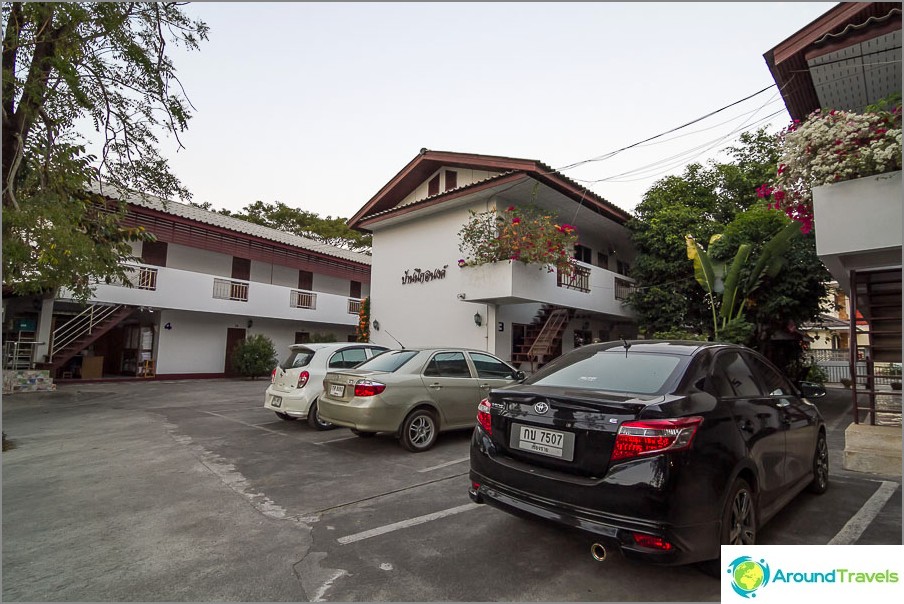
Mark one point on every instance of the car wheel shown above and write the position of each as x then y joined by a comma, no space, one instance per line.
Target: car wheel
419,431
738,524
314,419
820,482
285,416
739,516
361,434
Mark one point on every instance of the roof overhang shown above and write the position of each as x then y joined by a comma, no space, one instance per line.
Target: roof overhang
848,58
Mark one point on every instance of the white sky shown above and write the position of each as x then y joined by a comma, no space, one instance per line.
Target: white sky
318,105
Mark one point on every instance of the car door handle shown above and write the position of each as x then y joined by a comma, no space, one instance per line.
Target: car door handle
485,386
435,386
746,425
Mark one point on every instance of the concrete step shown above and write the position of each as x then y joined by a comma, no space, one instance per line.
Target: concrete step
873,449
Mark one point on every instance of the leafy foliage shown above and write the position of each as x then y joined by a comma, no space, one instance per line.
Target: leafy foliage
362,331
254,356
65,64
523,234
329,230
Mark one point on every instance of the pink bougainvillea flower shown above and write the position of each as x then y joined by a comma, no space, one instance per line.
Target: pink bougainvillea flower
516,220
764,190
510,209
461,262
779,196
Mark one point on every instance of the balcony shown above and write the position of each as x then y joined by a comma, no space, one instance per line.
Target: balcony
169,288
590,288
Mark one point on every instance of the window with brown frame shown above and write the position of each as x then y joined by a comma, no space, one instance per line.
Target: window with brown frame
451,179
433,186
153,253
305,280
354,290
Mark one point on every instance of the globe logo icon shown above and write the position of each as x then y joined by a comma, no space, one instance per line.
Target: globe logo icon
748,575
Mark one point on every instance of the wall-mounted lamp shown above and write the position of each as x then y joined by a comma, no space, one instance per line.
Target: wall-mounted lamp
478,320
250,323
376,325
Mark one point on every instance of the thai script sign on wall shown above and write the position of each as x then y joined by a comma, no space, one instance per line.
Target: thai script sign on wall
420,276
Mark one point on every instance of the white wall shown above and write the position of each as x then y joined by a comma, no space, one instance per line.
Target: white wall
425,314
331,285
198,261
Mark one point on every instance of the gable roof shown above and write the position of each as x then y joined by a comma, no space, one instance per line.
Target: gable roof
229,223
386,202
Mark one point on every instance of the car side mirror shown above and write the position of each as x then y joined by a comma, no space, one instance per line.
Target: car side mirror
812,389
519,375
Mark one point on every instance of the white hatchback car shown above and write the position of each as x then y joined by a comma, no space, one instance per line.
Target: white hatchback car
297,382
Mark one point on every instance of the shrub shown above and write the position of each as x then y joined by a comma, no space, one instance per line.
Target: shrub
254,356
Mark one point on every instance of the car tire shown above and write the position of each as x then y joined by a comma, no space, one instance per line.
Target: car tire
820,482
419,431
738,526
285,416
314,419
361,434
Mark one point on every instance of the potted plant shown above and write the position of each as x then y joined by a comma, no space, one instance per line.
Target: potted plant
894,373
830,147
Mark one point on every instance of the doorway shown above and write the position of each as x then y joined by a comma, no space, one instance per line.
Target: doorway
234,335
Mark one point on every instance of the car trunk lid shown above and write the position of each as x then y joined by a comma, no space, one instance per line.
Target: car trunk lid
340,385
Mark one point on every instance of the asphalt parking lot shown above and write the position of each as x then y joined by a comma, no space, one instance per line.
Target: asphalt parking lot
191,491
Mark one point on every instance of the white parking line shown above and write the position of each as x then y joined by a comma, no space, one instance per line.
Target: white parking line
851,531
335,440
238,421
405,524
443,465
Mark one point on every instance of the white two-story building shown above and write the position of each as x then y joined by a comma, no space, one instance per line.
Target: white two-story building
421,297
208,282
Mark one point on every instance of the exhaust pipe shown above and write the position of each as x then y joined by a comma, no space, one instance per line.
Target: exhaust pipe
598,551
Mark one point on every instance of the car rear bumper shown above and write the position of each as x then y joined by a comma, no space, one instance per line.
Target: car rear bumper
295,404
369,416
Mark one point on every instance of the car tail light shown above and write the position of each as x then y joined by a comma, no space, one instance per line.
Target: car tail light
651,541
647,437
273,375
303,379
368,388
483,416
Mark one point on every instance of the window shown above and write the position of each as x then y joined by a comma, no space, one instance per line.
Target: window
346,359
305,280
389,361
582,253
773,382
490,367
433,186
241,268
451,179
354,290
153,253
613,371
448,364
602,260
302,337
623,268
739,376
298,358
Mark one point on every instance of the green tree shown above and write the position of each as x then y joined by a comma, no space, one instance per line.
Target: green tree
66,65
254,356
329,230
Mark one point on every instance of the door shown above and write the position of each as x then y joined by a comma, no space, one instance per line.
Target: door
234,335
759,419
449,383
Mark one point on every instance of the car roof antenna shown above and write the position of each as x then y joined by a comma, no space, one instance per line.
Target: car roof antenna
627,346
402,346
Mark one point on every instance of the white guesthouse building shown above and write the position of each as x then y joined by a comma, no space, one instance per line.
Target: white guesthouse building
421,297
208,282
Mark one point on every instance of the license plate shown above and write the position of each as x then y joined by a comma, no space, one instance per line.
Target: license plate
337,390
276,401
543,441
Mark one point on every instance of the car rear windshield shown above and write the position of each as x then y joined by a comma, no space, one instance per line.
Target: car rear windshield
388,361
298,358
613,371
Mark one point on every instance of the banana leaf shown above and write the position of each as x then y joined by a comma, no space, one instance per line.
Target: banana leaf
732,280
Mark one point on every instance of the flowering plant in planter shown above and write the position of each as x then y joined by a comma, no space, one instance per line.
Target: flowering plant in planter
829,147
525,234
362,331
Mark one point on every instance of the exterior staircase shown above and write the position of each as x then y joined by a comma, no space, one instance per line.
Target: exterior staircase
543,340
877,297
81,330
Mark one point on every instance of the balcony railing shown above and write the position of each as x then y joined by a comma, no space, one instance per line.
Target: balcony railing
226,289
354,306
623,289
578,279
302,299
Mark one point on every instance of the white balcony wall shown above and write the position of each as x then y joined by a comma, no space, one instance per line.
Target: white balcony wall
331,285
187,290
513,282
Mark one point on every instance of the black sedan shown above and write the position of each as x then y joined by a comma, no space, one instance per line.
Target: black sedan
664,450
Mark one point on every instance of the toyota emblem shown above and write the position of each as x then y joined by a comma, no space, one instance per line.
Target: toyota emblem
541,408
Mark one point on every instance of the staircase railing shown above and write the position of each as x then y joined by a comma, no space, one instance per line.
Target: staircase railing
80,325
544,341
19,354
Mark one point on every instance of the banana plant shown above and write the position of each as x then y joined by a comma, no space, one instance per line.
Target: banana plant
724,280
